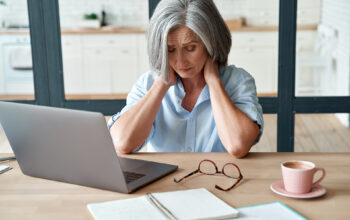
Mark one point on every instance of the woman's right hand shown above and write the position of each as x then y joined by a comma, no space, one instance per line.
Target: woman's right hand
173,77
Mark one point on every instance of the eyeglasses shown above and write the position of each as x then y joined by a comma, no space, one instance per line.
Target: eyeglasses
208,167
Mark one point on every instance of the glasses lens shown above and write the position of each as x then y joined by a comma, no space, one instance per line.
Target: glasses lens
231,171
207,167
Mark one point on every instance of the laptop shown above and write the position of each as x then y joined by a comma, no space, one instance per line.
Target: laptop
73,146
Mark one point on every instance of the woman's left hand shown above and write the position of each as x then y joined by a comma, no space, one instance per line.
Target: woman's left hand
211,71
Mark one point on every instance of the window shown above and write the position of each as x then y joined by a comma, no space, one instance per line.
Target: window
49,70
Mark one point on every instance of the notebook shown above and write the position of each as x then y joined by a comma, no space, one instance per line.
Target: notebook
271,211
4,168
185,204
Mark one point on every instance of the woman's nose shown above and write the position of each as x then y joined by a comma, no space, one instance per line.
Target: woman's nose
180,59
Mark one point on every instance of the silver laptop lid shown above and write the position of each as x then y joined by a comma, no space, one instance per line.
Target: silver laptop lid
65,145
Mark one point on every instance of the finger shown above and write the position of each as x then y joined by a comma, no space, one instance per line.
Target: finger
171,70
210,59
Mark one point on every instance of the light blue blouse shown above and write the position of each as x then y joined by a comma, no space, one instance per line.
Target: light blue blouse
177,130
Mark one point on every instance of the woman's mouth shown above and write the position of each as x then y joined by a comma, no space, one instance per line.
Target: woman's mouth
185,69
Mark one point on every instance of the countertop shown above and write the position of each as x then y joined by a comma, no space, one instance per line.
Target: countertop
137,30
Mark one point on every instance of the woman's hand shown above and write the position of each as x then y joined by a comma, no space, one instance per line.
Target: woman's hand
211,71
173,77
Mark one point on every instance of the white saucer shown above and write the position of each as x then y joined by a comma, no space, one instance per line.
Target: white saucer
278,187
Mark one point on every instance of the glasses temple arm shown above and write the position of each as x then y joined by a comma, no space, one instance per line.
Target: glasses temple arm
238,180
190,174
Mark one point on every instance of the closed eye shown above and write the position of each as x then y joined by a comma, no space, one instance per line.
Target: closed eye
190,48
170,50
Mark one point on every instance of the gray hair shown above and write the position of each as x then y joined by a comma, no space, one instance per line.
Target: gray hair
201,16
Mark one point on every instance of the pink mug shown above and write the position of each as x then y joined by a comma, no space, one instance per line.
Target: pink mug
298,176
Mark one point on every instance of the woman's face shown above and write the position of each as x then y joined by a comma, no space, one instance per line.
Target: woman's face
187,54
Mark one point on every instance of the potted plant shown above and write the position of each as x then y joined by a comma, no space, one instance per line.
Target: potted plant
90,20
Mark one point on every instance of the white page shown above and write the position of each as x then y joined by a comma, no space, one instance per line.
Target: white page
195,204
268,211
135,208
4,168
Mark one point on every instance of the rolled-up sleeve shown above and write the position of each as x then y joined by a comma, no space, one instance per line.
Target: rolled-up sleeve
242,91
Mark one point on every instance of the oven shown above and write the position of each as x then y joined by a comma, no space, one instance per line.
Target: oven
17,71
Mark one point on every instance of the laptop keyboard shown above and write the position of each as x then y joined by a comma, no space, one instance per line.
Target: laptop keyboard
129,176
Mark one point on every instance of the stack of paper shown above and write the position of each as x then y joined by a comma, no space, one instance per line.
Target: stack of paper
270,211
187,204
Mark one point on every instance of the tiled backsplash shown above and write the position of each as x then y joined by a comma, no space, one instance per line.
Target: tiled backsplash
130,12
135,12
14,13
119,12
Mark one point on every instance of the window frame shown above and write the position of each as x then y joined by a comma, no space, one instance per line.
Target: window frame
45,34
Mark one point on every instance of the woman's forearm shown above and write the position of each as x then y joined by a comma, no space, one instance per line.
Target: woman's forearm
237,131
133,127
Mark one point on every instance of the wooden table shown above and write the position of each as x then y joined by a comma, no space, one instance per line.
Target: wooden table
24,197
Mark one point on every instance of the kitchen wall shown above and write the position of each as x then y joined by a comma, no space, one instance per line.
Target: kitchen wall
135,12
15,12
119,12
335,13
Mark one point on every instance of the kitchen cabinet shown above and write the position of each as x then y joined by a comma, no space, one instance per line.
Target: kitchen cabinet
16,74
256,52
261,63
142,54
72,64
102,63
310,66
112,63
98,70
305,41
125,70
2,83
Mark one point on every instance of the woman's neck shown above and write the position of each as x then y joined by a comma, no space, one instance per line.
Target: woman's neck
192,85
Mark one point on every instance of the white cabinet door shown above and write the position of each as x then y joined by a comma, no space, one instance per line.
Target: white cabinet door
256,52
111,63
142,54
2,73
261,63
305,41
72,64
97,71
124,70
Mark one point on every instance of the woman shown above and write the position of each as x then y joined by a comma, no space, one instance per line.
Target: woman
190,100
